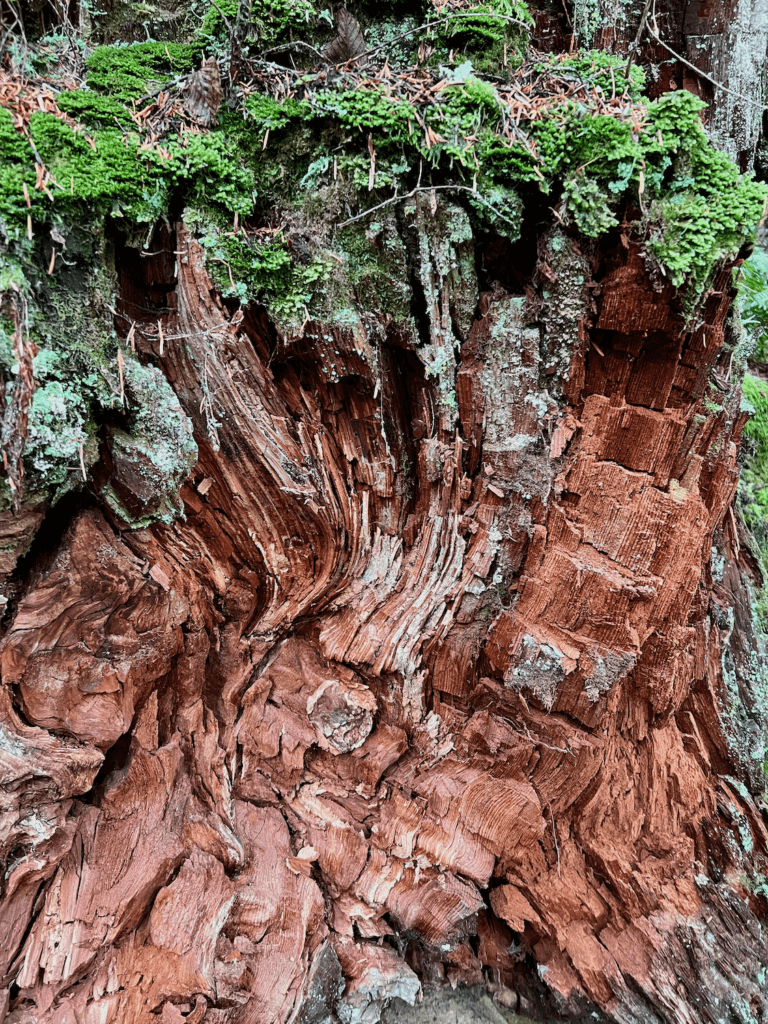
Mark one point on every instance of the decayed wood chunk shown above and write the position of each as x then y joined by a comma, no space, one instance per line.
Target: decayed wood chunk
342,714
348,727
374,975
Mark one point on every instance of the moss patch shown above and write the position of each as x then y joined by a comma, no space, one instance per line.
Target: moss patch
296,144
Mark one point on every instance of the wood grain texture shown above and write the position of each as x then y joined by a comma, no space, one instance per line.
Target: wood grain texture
346,728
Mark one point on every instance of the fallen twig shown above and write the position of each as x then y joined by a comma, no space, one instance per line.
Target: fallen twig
434,24
654,32
426,188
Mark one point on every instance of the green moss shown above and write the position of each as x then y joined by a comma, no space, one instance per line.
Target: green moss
271,20
266,113
109,173
94,110
129,72
208,169
598,68
486,39
753,483
365,110
696,208
213,22
309,153
275,18
755,474
377,267
751,279
97,175
16,170
703,209
254,270
588,206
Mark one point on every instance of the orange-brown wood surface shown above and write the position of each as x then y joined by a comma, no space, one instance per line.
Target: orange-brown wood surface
422,688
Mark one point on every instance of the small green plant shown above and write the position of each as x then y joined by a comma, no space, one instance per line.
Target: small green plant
752,281
753,480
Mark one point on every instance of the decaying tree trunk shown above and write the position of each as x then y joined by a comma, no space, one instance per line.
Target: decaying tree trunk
434,682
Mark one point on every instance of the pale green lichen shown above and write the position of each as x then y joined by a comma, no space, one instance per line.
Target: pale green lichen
153,457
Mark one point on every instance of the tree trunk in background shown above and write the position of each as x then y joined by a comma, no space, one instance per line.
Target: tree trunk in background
432,683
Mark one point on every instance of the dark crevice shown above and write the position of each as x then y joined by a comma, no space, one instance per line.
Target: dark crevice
512,264
45,545
418,299
115,760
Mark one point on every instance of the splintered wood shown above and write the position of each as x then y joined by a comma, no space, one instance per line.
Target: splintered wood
425,688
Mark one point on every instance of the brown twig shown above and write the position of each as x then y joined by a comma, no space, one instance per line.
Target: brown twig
702,74
434,24
227,23
293,45
636,43
549,746
425,188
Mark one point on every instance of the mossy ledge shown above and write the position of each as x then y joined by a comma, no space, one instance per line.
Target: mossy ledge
277,187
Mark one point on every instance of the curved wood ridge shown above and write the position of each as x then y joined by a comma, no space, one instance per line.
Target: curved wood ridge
427,684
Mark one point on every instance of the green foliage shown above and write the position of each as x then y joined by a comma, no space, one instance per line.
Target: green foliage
753,480
251,270
267,113
704,210
696,208
477,93
209,169
97,175
483,37
587,204
752,281
692,206
365,110
277,17
130,72
270,21
576,139
602,69
213,23
756,394
16,170
110,174
485,21
94,110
